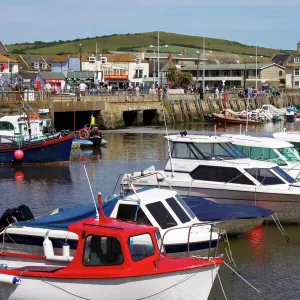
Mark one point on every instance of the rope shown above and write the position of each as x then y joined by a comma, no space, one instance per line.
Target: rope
228,251
142,298
246,281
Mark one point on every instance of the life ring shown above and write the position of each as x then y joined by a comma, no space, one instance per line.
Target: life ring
83,134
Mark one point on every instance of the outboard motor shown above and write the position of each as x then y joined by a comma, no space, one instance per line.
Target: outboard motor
6,219
22,213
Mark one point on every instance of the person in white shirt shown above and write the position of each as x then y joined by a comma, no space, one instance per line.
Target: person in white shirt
217,93
82,88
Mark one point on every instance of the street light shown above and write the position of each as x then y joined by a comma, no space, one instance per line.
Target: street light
198,55
256,66
80,55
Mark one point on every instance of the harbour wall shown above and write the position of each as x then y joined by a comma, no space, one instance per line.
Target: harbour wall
123,109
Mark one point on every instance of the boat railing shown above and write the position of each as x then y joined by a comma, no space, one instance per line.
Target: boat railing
190,227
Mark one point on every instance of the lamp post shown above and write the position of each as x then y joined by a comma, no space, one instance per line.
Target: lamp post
198,56
151,46
256,68
203,75
80,56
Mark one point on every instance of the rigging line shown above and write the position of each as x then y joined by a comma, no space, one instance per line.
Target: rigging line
247,281
87,176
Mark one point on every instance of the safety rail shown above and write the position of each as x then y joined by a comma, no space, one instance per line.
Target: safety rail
212,226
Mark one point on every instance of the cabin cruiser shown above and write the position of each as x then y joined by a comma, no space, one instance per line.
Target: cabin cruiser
212,168
180,229
273,150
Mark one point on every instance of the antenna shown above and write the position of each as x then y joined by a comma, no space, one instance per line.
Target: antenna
169,149
97,213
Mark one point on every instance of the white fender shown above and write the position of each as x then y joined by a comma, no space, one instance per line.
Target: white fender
9,279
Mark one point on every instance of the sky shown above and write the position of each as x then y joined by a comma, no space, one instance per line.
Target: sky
266,23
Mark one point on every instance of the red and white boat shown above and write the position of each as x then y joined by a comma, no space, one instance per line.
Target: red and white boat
113,260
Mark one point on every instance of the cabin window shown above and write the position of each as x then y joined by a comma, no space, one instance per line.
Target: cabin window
265,176
127,212
161,215
180,213
186,207
289,154
220,174
140,246
6,126
284,175
102,251
183,150
266,154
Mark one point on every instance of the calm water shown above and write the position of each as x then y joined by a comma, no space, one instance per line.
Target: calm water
263,256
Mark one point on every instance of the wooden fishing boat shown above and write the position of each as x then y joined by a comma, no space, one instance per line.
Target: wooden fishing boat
115,259
226,117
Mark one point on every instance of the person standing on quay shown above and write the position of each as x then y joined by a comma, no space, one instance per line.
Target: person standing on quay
82,88
217,93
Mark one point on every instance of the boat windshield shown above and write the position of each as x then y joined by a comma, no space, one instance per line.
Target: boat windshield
290,154
270,176
206,151
177,209
4,125
140,246
266,154
186,207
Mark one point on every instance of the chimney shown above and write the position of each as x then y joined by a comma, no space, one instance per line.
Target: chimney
298,47
170,59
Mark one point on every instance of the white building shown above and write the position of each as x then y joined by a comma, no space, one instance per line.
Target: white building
8,65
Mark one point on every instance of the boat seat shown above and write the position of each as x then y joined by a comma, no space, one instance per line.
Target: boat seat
39,268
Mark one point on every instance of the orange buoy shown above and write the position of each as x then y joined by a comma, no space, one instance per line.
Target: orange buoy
83,134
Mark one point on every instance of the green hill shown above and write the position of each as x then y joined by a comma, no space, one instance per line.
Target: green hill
137,41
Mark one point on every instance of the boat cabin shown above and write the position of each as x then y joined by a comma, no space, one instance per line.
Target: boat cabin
197,147
273,150
291,137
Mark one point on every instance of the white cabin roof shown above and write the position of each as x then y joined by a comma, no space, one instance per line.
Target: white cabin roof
153,194
259,142
292,137
197,139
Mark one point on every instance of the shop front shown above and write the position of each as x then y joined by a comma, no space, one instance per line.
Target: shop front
56,84
121,81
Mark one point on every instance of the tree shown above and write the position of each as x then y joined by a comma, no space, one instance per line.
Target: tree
179,78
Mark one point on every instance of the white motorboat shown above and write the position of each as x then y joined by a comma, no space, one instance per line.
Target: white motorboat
161,208
212,168
273,150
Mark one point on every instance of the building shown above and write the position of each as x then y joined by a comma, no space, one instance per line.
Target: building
33,63
293,70
56,80
67,63
3,50
239,75
8,65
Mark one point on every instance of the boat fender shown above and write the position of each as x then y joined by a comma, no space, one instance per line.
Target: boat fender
48,247
66,249
9,279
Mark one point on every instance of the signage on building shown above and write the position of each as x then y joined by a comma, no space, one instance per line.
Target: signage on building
115,76
53,80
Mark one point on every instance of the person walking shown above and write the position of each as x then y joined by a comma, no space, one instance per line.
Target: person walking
217,93
82,88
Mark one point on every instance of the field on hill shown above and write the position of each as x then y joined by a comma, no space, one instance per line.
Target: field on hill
135,42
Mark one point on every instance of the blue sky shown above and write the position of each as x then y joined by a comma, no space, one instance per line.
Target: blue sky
268,23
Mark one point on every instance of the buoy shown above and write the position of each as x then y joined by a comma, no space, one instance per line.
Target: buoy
92,121
18,154
66,249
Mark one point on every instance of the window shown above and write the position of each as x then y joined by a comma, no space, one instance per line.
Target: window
297,72
237,73
284,175
138,73
161,215
296,59
183,150
127,212
220,174
266,154
296,84
186,207
104,60
102,251
44,66
264,176
180,213
36,65
92,59
6,126
140,246
290,154
280,73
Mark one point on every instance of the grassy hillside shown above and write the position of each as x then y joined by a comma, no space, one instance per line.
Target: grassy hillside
134,42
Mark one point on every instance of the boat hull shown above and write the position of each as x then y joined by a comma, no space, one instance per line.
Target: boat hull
189,284
223,120
46,152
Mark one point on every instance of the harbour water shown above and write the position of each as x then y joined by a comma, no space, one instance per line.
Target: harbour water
263,256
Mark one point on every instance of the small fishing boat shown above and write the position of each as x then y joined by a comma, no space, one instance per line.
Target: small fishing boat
90,132
115,259
26,139
227,117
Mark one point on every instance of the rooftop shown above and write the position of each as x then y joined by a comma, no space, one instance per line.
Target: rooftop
5,59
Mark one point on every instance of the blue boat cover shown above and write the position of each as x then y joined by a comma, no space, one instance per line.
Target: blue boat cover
206,210
68,215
